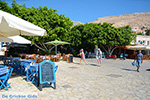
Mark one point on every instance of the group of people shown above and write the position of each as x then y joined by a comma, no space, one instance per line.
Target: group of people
138,58
98,56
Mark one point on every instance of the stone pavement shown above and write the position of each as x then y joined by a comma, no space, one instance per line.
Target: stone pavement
113,80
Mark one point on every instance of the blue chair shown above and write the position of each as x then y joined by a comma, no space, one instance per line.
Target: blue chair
33,74
122,56
27,71
34,61
56,67
4,60
30,59
4,79
17,67
9,61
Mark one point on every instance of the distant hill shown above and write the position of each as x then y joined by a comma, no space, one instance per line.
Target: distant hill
77,23
134,20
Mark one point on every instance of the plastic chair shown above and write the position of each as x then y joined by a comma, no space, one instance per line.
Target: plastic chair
56,67
17,67
9,61
4,60
4,79
33,74
122,56
34,61
27,72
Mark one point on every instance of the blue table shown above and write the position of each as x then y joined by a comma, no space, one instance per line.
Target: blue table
22,62
15,58
3,70
3,66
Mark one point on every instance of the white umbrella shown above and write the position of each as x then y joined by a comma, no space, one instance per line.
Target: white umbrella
11,25
19,39
139,47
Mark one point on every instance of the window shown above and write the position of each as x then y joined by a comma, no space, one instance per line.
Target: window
147,42
143,42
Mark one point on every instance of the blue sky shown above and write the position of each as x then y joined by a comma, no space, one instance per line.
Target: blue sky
89,10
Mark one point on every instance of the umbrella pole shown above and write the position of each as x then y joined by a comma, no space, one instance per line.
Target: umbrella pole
55,49
6,53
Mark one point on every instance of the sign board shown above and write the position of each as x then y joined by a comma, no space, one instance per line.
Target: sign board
47,72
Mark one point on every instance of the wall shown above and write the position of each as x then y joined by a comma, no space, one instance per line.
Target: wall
142,39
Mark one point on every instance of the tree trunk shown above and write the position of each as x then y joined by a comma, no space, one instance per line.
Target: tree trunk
113,49
110,49
39,47
105,49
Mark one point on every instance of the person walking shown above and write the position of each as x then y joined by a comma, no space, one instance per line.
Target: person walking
99,56
139,60
82,56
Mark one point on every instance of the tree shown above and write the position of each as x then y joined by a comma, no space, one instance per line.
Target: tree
115,37
139,33
4,6
147,32
57,26
104,35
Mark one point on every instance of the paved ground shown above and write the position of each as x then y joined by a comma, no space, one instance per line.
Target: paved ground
113,80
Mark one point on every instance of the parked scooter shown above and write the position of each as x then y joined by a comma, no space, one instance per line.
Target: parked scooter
111,56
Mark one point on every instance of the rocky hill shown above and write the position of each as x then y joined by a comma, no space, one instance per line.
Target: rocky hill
134,20
77,23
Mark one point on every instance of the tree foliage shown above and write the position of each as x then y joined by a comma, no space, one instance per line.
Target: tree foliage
57,26
147,32
104,35
4,6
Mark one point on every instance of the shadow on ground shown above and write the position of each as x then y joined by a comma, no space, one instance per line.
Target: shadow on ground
94,64
128,69
14,75
147,69
76,63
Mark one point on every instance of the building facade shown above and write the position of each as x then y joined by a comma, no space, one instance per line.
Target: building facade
143,39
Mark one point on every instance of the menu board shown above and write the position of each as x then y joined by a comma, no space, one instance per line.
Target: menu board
47,73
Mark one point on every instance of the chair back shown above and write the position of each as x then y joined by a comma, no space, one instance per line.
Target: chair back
16,63
4,60
9,61
33,69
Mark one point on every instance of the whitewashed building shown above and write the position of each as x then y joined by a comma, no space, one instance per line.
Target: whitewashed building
143,39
